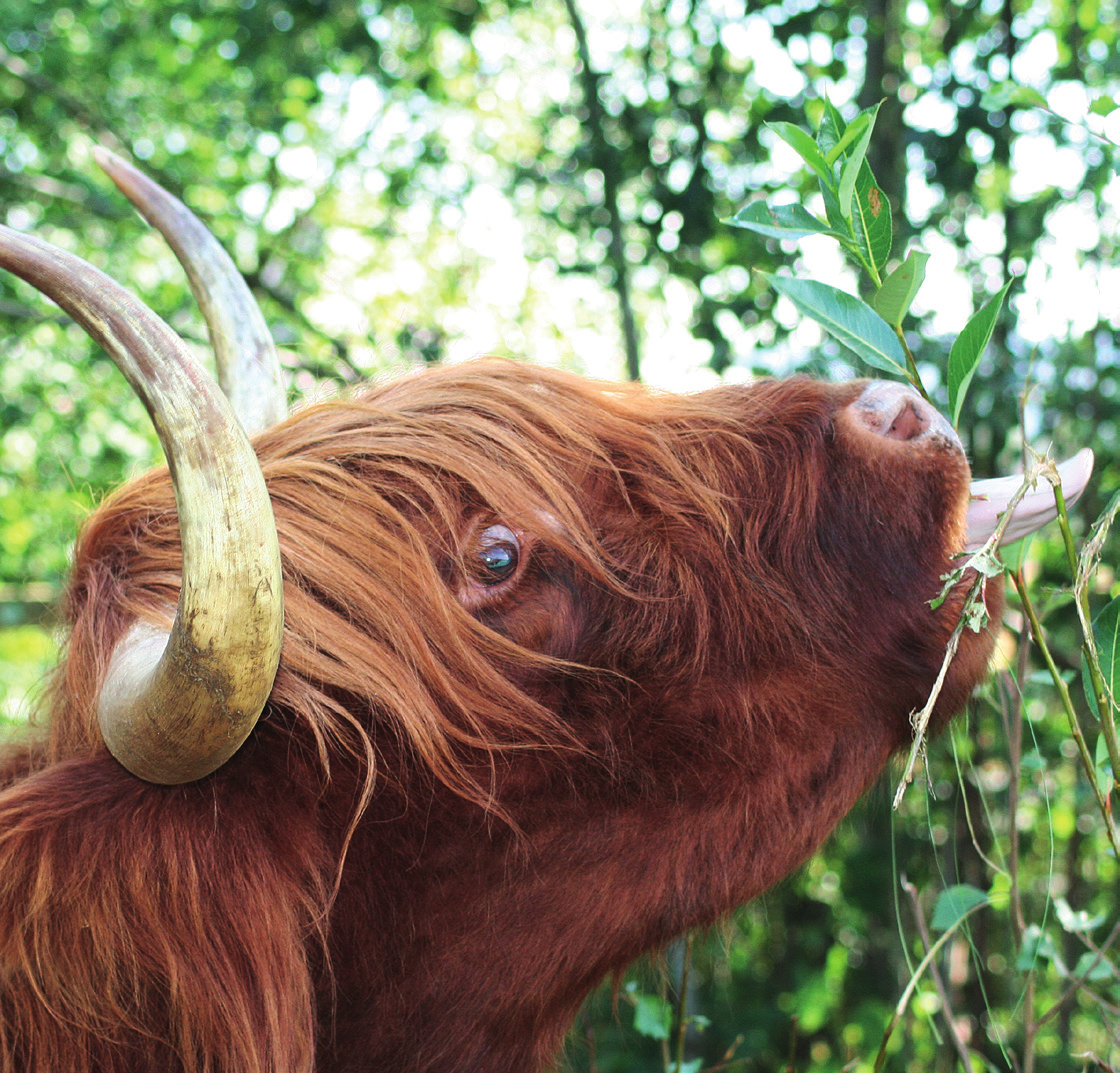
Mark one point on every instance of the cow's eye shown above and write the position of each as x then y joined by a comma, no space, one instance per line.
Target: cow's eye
498,554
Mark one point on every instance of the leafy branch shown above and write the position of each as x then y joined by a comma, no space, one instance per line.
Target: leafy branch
858,217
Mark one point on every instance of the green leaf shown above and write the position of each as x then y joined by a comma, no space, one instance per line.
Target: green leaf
806,148
780,221
1106,633
829,134
847,187
1076,922
968,349
1101,968
1103,106
954,904
859,126
1037,946
832,128
847,318
865,123
1109,512
836,218
1007,93
653,1016
1014,556
1102,765
871,220
892,300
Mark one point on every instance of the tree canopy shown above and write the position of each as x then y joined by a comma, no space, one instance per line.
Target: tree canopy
410,182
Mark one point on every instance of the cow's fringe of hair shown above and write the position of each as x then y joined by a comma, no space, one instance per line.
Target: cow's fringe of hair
175,928
376,656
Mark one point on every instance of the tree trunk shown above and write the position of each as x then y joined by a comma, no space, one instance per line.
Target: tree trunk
605,158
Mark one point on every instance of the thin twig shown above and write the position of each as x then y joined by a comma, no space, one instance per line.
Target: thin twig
1077,983
1071,714
1083,568
935,975
920,720
900,1006
682,1002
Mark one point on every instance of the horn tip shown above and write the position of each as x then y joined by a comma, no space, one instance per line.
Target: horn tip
108,161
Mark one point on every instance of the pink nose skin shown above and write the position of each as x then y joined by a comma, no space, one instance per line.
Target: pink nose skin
896,411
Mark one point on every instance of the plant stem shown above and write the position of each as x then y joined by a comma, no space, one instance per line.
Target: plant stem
1078,982
911,364
920,720
922,965
1071,715
682,1002
935,975
1081,569
1015,761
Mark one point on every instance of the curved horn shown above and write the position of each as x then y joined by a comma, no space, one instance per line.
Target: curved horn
248,367
176,706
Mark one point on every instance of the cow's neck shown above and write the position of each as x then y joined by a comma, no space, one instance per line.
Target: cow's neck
485,943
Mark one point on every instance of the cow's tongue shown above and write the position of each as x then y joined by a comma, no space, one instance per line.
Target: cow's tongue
1035,509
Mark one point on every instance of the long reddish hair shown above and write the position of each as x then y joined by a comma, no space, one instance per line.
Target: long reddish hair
693,558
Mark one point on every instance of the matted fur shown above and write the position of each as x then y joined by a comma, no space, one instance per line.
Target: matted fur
464,805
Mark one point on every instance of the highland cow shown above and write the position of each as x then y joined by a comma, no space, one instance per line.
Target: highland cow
548,672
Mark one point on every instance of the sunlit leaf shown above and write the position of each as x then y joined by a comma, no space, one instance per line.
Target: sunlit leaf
1103,106
847,318
999,893
780,221
829,135
1106,634
1037,947
861,125
859,132
1076,922
25,654
892,300
1094,968
653,1016
1014,556
1102,765
832,128
969,348
1007,93
871,219
954,904
805,147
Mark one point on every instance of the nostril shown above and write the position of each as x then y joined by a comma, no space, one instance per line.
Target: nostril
896,412
908,423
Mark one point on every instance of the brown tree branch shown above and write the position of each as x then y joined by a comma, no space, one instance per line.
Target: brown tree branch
605,158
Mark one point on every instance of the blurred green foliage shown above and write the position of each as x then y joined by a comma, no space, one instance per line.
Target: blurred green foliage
26,653
404,182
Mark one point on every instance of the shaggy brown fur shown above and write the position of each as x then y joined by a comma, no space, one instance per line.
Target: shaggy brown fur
467,803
